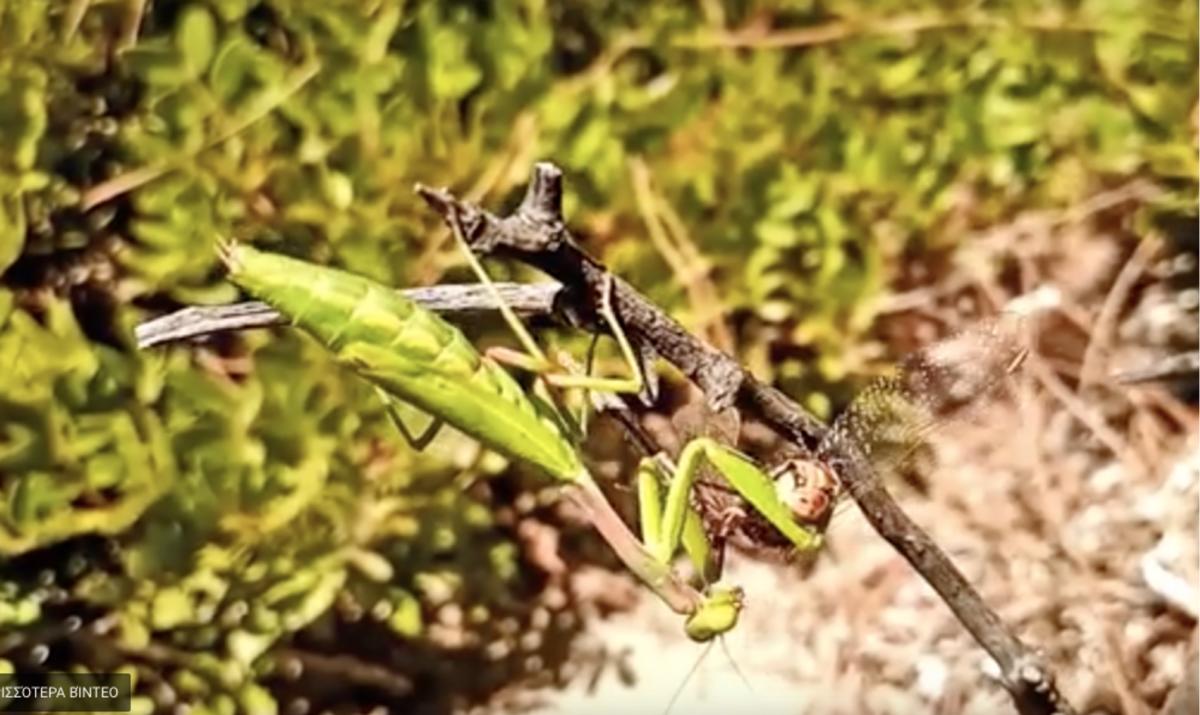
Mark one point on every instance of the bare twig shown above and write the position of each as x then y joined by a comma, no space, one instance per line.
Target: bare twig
1077,409
536,234
197,321
1173,367
691,268
347,669
1101,334
1186,697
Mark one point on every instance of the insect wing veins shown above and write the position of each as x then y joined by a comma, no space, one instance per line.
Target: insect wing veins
895,415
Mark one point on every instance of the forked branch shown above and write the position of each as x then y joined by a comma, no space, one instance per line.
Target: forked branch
536,234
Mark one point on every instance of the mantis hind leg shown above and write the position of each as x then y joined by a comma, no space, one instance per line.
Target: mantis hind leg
417,441
533,358
633,384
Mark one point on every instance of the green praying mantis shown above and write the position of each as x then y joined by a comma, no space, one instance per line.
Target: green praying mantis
412,355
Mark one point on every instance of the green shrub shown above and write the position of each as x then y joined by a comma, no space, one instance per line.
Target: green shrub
252,491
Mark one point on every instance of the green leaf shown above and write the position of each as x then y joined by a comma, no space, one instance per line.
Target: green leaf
256,700
406,618
196,38
338,189
245,647
1012,122
12,230
158,63
171,607
232,68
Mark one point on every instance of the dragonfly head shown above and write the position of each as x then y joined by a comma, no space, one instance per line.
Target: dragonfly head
809,488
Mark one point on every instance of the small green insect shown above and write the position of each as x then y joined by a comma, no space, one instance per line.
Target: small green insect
414,356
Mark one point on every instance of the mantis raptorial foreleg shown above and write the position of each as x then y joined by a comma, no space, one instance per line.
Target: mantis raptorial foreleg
668,523
705,560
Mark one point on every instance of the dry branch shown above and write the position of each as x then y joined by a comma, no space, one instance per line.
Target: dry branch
460,300
536,234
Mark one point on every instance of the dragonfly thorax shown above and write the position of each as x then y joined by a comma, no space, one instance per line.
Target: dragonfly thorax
809,488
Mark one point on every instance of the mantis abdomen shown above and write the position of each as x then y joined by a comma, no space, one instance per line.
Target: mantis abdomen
410,352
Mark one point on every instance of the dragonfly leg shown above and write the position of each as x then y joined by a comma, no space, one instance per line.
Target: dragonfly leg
726,523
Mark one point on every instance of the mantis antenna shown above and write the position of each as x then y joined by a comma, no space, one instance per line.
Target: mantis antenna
696,666
687,678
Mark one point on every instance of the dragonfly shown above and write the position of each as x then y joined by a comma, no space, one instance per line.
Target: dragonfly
878,433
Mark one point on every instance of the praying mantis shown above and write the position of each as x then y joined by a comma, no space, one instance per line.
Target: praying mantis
412,355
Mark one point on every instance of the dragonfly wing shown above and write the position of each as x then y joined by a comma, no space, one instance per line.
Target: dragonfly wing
895,415
697,419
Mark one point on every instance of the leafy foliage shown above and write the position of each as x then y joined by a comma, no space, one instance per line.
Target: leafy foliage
788,155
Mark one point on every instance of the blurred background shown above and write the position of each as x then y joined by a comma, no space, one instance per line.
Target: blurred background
819,188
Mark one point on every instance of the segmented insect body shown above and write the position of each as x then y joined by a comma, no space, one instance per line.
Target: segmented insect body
413,354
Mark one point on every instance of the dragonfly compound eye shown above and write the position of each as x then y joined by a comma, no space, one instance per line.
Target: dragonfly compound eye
810,506
808,488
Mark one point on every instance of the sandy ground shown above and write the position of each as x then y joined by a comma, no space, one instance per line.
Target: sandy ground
1072,504
1102,577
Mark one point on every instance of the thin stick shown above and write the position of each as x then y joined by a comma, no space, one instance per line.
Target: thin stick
1101,334
198,321
1172,367
1096,424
